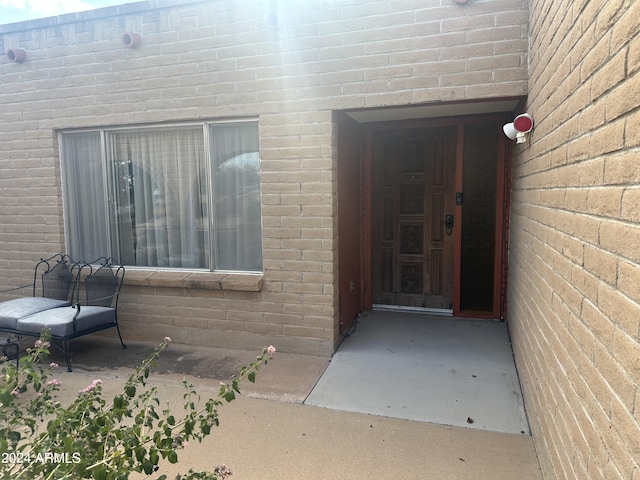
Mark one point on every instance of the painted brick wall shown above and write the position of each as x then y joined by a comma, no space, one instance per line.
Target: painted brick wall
219,59
574,287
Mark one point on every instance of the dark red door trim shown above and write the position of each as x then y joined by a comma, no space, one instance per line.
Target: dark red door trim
366,303
457,232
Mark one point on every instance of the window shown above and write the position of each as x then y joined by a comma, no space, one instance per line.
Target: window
184,196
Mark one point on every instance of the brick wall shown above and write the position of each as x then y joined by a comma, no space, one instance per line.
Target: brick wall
574,296
289,67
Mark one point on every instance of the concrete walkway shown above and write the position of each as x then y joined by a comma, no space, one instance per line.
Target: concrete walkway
268,434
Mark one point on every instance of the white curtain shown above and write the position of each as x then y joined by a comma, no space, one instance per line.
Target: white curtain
160,215
235,165
84,194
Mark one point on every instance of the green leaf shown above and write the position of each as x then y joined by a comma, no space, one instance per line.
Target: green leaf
130,390
172,457
252,377
171,420
166,443
147,466
188,427
52,427
229,395
100,473
6,398
140,453
119,402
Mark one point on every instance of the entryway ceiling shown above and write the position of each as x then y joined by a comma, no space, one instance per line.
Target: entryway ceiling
434,110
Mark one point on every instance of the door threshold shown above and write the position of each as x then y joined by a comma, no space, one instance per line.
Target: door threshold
401,308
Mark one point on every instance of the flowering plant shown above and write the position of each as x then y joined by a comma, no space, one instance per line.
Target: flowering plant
93,438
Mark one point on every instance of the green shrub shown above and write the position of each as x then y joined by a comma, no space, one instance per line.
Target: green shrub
91,438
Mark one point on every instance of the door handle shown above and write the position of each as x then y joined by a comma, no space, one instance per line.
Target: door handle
448,223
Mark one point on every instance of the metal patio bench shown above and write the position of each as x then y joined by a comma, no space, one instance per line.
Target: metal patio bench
77,299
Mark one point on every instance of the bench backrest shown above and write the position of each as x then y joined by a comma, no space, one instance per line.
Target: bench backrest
102,284
58,277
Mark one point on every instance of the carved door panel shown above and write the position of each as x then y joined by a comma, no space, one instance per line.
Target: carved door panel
413,192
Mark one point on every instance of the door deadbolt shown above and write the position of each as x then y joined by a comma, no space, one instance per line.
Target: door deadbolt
448,223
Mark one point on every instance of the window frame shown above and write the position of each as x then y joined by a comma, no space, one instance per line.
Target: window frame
212,235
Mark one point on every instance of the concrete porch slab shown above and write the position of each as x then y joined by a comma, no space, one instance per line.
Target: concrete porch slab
435,369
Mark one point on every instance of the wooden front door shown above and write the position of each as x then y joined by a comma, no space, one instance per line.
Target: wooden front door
413,207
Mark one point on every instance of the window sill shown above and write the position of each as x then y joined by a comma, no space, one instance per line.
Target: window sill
243,282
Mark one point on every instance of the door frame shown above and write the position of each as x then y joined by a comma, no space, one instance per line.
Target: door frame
502,206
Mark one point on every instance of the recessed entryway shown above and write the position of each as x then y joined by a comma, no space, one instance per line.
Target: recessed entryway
423,208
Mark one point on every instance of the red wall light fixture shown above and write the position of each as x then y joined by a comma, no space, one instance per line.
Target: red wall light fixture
518,129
